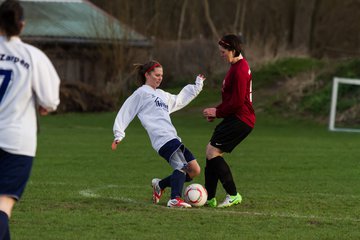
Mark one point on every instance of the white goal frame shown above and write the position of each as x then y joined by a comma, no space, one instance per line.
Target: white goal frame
334,98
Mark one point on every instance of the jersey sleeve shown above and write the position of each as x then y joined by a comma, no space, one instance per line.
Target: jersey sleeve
126,114
184,97
45,82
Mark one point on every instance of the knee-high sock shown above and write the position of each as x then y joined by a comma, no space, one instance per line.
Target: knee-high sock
4,226
224,174
177,183
7,235
166,182
211,179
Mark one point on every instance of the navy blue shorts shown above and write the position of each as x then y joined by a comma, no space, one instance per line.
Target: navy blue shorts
229,133
14,173
170,148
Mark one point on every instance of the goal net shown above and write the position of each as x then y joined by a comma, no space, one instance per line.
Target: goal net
352,85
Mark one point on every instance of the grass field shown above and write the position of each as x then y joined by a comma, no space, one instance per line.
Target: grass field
298,181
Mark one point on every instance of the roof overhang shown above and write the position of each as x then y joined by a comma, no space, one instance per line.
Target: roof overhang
76,21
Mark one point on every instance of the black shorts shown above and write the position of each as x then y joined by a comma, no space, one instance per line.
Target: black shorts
171,147
14,173
229,133
170,152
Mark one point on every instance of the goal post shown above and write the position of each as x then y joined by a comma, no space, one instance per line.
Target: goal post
334,98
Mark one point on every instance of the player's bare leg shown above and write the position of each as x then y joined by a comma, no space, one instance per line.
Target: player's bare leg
193,169
7,204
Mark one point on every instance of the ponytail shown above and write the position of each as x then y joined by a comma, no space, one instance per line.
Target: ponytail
11,18
142,69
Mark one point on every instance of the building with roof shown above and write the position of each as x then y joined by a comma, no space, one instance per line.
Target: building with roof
91,50
85,43
75,21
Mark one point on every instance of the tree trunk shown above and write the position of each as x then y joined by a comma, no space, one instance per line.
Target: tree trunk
303,23
237,14
242,19
181,24
209,20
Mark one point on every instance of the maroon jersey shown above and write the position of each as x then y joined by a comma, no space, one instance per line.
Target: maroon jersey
237,94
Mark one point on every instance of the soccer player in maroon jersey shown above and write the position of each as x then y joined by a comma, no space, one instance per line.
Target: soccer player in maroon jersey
238,121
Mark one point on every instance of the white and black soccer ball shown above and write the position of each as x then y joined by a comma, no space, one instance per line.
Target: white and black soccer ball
195,195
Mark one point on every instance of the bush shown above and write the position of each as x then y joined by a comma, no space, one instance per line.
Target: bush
283,69
317,99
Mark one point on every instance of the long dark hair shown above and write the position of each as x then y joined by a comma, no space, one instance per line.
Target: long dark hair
145,68
232,42
11,17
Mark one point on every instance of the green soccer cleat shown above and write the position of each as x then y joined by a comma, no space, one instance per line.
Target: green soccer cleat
230,201
212,202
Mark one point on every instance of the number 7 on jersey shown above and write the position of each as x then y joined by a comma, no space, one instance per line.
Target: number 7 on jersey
5,78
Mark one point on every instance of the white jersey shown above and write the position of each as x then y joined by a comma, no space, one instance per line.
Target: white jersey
153,108
27,77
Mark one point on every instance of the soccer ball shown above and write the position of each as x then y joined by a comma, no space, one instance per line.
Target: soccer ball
195,194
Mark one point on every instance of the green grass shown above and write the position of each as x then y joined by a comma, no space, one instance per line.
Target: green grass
298,181
268,74
317,99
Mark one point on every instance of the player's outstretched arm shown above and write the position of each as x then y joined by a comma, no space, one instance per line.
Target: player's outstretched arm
186,95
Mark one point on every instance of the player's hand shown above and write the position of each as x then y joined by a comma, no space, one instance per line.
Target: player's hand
200,77
209,112
114,144
43,111
210,119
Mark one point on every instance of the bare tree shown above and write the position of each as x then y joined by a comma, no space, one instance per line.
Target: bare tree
209,19
303,23
242,19
181,24
239,17
312,24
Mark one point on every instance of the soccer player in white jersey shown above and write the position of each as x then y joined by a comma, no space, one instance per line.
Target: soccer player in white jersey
27,80
153,107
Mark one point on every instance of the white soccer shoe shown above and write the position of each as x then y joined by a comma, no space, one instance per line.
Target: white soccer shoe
157,191
230,201
178,203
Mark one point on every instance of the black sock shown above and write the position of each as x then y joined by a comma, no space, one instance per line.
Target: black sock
7,235
224,173
165,182
4,226
211,179
177,183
